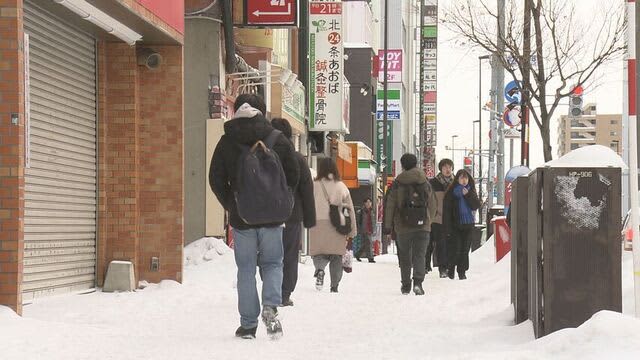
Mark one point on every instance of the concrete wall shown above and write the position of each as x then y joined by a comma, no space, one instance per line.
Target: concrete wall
201,54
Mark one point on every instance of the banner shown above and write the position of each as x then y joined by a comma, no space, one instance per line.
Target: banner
326,67
394,65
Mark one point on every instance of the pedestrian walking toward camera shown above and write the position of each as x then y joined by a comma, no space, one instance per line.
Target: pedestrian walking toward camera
409,208
440,183
304,213
460,204
366,226
335,223
253,171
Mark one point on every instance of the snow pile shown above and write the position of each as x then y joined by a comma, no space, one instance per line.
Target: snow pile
367,319
589,156
203,250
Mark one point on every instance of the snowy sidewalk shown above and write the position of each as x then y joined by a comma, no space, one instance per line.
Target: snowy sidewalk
368,319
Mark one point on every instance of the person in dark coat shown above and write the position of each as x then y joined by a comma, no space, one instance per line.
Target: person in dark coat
411,239
460,204
304,213
440,183
248,127
366,222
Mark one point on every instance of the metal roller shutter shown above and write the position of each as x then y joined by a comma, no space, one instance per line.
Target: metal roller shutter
60,184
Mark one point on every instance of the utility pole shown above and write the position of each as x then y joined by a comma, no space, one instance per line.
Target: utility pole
500,101
493,140
526,63
633,10
385,122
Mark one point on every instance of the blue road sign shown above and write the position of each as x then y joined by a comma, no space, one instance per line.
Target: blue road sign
512,92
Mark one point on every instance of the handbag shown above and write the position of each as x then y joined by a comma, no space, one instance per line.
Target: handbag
336,217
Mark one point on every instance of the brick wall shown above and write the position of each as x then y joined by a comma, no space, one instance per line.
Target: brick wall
141,162
161,166
118,155
11,154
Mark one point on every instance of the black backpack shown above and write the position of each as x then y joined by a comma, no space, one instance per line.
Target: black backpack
413,209
262,195
335,218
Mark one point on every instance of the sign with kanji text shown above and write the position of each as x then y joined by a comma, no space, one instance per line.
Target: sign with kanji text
326,67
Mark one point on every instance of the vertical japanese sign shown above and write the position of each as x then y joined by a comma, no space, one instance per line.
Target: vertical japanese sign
380,135
326,66
429,83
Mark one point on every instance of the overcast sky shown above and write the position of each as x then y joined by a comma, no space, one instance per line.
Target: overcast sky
458,95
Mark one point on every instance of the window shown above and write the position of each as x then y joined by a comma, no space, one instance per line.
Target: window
574,134
613,133
574,146
614,122
614,146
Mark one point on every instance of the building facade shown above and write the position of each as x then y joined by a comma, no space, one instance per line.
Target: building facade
91,143
590,128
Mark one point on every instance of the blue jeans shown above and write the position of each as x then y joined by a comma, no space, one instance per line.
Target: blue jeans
261,247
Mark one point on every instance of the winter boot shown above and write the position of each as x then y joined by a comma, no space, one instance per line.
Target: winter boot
319,279
405,288
462,276
334,289
443,273
286,301
372,260
417,288
246,333
451,273
270,320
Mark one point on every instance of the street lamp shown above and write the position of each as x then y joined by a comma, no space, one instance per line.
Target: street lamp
474,149
453,139
480,58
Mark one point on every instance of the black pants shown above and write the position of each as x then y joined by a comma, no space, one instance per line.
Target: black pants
365,249
412,248
438,244
458,246
291,241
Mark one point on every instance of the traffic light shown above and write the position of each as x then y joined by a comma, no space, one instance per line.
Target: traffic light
575,102
468,164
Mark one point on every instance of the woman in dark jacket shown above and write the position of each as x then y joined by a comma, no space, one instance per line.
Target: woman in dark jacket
460,204
366,228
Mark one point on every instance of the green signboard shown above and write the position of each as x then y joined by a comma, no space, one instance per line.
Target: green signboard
430,32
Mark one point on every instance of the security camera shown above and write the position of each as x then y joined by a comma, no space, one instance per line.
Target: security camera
149,58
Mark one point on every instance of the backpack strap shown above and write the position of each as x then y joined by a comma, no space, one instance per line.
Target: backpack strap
272,138
324,190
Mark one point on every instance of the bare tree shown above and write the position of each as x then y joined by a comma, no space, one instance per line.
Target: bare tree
567,48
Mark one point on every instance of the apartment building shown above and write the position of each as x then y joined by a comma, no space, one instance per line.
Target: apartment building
590,128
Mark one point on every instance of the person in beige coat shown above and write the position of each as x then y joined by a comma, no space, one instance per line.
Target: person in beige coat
326,245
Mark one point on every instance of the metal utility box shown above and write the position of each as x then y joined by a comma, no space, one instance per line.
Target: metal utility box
519,249
574,247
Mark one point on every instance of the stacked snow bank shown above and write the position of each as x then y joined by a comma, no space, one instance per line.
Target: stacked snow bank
589,156
204,250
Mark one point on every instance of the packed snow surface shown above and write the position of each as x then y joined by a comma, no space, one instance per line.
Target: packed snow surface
589,156
368,319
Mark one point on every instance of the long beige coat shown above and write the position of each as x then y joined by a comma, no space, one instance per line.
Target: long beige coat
324,239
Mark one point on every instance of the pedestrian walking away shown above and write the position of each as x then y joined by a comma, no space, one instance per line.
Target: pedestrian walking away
410,207
304,213
327,240
366,224
257,217
460,204
437,248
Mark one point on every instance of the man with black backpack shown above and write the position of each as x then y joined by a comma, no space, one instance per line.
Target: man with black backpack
409,209
253,172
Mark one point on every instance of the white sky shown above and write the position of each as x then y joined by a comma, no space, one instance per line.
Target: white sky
458,96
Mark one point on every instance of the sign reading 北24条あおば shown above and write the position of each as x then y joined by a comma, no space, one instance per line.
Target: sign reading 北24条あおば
326,66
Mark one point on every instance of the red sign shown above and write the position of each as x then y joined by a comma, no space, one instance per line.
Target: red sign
170,11
325,8
271,12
